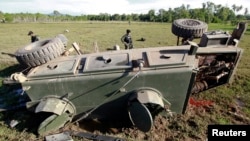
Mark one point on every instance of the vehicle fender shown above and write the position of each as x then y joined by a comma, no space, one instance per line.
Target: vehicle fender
55,105
147,95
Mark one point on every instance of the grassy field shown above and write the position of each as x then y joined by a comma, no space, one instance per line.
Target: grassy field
106,35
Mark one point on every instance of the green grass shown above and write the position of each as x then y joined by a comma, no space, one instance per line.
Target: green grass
106,35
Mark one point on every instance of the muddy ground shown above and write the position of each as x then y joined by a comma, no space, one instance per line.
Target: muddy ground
190,126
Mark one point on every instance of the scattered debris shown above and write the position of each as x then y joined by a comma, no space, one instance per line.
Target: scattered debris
117,47
13,123
93,137
64,136
141,39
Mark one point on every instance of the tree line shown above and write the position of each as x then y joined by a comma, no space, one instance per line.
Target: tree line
209,13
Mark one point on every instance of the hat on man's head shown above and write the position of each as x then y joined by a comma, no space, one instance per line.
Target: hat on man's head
30,32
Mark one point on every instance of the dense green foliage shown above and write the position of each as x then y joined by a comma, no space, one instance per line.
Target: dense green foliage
209,12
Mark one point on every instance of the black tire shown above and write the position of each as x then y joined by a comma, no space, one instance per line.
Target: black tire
63,38
40,52
187,28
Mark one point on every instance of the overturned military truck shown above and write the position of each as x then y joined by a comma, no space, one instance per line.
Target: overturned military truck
132,84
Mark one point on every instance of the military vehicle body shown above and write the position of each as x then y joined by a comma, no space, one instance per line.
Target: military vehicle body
132,84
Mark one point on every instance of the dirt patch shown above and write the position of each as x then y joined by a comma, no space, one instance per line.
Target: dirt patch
191,126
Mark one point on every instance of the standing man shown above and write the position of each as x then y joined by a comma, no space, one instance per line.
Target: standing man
127,40
33,36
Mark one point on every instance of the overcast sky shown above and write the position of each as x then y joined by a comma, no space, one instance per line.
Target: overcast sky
78,7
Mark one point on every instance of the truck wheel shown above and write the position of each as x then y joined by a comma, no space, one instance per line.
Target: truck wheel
63,38
143,105
187,28
40,52
140,116
53,123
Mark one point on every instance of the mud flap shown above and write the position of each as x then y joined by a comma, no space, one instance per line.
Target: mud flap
55,105
61,109
53,123
140,116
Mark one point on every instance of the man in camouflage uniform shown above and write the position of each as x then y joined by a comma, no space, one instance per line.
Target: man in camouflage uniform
127,40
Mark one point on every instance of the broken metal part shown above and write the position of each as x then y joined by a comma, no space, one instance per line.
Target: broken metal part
168,112
13,123
217,78
59,137
213,70
199,86
77,48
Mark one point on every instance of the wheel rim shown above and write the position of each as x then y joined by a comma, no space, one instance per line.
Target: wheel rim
140,116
